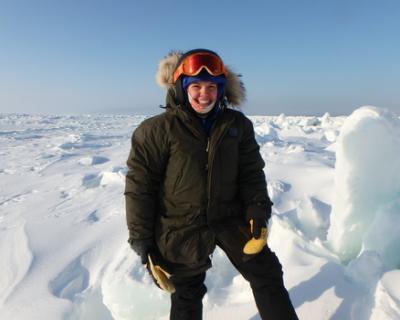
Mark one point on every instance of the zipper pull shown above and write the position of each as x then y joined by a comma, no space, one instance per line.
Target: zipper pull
208,145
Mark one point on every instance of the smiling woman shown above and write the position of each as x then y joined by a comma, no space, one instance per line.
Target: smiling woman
195,182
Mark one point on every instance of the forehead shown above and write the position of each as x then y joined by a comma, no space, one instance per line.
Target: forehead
203,83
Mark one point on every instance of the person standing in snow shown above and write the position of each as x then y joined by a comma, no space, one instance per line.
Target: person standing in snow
196,181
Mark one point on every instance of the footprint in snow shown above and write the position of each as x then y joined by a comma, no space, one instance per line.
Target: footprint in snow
71,281
91,218
95,160
92,180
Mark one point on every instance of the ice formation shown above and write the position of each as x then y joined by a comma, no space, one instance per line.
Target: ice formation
365,212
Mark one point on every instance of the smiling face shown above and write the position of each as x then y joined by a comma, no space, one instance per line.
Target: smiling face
202,95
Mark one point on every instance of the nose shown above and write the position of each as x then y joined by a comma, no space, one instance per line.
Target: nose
205,90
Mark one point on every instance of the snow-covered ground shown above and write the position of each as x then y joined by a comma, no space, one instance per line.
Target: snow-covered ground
63,250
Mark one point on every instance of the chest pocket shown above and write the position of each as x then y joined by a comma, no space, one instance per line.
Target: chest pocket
233,132
230,143
228,157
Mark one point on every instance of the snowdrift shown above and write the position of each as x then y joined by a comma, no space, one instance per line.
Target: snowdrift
334,182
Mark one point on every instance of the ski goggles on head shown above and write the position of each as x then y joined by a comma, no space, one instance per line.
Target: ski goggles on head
193,64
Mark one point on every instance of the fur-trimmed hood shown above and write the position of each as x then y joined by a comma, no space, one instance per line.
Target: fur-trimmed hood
235,91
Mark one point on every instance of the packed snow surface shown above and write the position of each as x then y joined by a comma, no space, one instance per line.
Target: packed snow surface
335,186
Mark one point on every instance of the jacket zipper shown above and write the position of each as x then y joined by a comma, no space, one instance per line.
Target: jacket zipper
211,160
207,166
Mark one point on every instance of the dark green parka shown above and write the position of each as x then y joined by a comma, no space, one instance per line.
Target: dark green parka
182,186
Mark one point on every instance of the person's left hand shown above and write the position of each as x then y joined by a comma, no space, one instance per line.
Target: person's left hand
256,227
256,217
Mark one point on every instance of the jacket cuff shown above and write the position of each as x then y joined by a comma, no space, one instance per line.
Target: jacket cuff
259,210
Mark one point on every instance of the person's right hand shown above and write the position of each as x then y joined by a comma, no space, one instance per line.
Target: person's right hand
142,247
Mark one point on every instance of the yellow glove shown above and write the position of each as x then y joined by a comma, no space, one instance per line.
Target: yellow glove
160,276
254,245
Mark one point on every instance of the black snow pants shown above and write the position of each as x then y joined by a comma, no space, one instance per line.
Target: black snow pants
263,271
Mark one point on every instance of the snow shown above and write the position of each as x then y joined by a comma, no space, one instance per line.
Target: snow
366,213
335,186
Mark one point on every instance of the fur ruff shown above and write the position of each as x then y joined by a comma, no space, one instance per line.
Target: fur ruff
235,91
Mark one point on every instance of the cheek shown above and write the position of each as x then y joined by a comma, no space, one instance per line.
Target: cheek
194,93
213,95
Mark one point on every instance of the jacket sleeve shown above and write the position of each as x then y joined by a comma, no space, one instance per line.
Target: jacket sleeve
146,163
252,182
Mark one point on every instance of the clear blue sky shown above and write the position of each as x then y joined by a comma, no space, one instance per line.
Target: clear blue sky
297,57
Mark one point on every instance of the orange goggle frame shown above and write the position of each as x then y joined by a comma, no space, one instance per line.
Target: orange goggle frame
194,63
